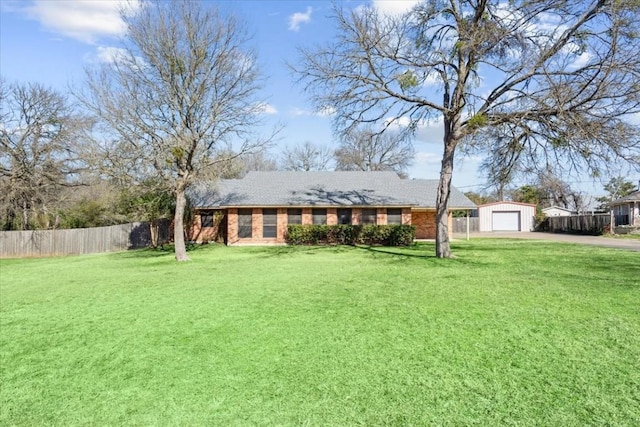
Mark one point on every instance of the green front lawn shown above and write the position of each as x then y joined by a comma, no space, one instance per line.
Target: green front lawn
510,332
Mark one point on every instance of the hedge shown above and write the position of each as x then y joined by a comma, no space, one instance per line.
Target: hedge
384,235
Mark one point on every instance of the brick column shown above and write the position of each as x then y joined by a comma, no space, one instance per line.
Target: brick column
332,216
356,216
282,225
232,226
406,216
256,224
307,216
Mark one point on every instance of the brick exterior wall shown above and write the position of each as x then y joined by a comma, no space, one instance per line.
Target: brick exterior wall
425,223
232,226
332,216
424,220
282,224
356,216
406,216
199,234
307,216
256,224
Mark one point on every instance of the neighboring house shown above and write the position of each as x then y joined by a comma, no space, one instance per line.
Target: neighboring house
558,211
506,216
626,210
258,207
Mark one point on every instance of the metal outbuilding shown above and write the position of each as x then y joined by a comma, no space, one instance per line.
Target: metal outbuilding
507,216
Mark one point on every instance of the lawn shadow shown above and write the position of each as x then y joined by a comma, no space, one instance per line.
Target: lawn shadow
414,251
399,251
160,251
288,250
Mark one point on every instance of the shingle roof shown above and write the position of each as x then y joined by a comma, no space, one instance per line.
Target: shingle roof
301,189
633,197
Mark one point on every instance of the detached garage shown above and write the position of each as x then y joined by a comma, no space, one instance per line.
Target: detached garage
507,216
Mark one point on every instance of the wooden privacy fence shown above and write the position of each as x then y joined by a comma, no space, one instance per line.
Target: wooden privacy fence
579,224
79,240
460,225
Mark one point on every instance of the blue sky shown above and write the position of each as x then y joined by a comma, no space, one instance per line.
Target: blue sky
51,41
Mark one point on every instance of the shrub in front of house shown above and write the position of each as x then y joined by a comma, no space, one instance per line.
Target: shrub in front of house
383,235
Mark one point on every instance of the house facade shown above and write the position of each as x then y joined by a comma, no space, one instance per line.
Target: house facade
626,210
558,211
258,208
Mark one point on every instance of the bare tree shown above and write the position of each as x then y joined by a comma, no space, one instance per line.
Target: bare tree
183,85
307,157
39,134
228,164
367,150
560,77
549,190
557,192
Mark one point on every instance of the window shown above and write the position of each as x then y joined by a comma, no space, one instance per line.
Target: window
269,223
206,219
394,216
244,223
319,216
369,216
294,216
344,216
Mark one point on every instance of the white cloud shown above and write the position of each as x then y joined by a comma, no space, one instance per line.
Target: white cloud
431,131
432,79
394,7
580,61
267,109
326,112
110,54
300,18
397,122
634,119
323,112
426,158
300,112
84,20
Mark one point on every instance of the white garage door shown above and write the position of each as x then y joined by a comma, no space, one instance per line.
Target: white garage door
506,221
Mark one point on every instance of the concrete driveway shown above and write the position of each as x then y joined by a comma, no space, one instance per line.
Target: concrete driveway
608,242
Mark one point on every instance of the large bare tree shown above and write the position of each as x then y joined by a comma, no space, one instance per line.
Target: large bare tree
558,77
307,157
183,85
230,165
39,139
368,150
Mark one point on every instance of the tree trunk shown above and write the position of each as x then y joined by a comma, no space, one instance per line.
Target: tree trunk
178,225
443,248
153,232
25,215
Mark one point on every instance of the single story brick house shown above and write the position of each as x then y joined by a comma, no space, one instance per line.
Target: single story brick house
257,208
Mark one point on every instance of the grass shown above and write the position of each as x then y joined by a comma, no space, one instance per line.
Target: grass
510,332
